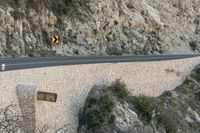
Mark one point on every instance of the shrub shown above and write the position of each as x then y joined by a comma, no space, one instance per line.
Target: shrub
98,110
46,38
193,45
119,89
100,104
171,121
197,69
114,51
195,76
62,7
145,106
10,120
17,15
197,95
95,31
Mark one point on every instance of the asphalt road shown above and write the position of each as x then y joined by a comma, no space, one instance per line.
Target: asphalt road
37,62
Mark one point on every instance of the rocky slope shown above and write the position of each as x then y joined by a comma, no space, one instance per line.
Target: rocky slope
113,110
93,27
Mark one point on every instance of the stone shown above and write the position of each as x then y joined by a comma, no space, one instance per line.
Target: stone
112,20
196,116
193,114
125,117
154,20
30,39
26,97
188,119
148,129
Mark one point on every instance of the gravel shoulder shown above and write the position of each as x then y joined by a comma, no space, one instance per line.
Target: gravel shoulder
73,83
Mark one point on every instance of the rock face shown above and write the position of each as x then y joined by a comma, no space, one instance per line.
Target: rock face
113,110
93,27
179,109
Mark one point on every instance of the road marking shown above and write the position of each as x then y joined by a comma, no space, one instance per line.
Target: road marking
3,67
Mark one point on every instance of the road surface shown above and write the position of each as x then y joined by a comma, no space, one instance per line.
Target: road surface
8,64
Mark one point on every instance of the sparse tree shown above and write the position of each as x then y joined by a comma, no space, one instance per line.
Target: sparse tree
10,120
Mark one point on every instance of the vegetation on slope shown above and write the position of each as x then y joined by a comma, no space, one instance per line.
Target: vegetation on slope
176,111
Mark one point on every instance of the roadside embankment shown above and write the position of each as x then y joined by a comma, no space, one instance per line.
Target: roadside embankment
73,83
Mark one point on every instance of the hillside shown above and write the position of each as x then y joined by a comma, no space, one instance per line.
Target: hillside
112,109
93,27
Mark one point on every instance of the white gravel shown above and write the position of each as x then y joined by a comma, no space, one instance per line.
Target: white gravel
72,84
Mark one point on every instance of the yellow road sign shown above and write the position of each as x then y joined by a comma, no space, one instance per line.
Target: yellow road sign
54,39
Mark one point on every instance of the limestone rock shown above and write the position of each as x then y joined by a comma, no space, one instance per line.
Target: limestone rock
93,27
125,118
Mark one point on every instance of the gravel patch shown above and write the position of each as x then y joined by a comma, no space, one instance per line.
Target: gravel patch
73,83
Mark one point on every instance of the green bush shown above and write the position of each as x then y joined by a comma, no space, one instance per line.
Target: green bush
193,45
98,110
114,51
119,89
171,121
195,76
63,7
197,69
145,106
17,15
197,96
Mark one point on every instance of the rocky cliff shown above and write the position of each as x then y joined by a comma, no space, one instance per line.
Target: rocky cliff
94,27
111,109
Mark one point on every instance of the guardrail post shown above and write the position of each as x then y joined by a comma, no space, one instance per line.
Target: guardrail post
3,67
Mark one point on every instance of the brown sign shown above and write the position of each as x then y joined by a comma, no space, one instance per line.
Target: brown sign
46,96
